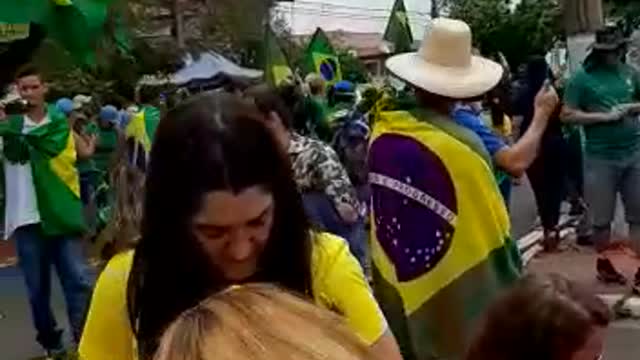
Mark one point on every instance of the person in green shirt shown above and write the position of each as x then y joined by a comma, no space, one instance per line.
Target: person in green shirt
317,108
604,97
107,138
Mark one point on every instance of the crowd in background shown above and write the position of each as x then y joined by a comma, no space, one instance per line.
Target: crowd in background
219,245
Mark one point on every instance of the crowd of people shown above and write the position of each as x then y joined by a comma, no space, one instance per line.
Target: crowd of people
249,233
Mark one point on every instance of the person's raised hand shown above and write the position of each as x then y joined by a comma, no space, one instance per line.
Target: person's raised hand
546,100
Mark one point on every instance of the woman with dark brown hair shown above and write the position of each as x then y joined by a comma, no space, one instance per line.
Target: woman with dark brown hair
220,208
546,318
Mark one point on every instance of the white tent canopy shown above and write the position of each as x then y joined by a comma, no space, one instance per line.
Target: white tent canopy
205,66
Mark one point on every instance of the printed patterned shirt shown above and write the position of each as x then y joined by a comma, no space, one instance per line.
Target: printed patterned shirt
316,168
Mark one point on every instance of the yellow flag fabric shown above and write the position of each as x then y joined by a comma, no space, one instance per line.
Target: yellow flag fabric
441,247
137,130
63,2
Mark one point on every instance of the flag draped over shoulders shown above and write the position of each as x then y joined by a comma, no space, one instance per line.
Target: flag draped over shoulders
441,234
50,150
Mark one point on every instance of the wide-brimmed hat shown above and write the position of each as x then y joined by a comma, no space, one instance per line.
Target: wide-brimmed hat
609,38
444,64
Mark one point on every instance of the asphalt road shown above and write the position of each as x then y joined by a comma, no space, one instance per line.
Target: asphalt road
17,336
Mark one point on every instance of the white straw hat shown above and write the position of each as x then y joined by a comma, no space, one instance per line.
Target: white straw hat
444,64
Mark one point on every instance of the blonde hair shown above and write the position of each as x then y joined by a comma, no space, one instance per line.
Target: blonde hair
260,322
315,83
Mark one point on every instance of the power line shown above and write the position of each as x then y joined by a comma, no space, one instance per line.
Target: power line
343,15
342,6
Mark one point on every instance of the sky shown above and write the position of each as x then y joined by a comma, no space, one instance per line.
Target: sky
304,16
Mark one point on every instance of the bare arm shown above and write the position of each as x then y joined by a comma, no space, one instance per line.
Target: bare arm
386,347
85,145
575,116
517,158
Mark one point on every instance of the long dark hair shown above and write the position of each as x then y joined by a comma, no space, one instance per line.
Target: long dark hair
212,142
501,93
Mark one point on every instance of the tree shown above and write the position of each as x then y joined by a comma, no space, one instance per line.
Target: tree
498,29
352,68
628,11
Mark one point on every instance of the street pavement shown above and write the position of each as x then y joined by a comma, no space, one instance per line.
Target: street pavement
17,335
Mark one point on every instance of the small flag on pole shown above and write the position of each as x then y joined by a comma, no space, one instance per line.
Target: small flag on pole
321,58
398,29
277,68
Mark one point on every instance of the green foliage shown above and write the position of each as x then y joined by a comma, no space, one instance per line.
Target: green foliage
352,68
529,30
628,11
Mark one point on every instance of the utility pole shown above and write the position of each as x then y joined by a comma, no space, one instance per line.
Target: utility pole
581,19
178,22
435,9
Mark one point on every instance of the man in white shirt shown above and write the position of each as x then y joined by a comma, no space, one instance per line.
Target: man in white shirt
37,252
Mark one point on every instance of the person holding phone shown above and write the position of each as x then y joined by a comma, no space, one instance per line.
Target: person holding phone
513,159
604,97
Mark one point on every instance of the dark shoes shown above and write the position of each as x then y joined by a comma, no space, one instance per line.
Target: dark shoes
551,241
585,240
608,274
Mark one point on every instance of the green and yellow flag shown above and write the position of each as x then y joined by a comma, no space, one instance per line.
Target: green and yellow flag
398,29
50,149
143,125
441,242
75,24
321,58
276,65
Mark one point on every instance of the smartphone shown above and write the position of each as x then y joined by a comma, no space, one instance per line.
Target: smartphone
16,107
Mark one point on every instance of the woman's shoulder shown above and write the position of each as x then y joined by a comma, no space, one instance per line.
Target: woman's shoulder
327,245
330,253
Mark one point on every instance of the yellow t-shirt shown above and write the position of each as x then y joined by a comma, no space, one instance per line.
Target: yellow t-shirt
337,280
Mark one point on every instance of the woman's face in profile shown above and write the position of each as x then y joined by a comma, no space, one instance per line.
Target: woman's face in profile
233,229
593,349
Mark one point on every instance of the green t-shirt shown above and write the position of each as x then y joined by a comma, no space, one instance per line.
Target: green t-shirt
86,166
599,91
107,142
318,116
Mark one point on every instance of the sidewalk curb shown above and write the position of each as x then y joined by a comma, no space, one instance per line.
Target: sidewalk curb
630,305
530,244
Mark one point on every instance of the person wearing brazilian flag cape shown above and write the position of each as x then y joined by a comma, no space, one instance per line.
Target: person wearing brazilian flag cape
43,212
441,244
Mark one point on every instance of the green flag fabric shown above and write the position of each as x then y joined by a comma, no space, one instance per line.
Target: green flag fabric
276,66
398,29
437,265
321,58
50,149
75,24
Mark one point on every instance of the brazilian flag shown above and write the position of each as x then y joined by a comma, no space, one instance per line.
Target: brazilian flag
441,244
398,29
50,151
321,58
276,65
